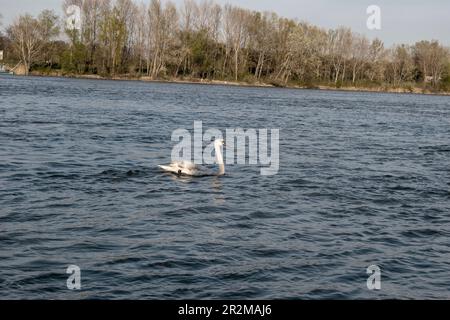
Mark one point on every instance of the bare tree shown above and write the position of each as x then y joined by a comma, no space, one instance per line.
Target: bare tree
401,64
281,56
294,54
2,40
339,45
305,46
29,36
163,25
432,59
236,32
115,32
359,55
49,30
207,41
261,39
91,15
318,50
141,35
377,53
188,14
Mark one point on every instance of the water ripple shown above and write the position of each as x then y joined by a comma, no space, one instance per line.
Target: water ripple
364,179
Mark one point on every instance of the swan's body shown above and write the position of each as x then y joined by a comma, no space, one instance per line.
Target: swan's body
190,169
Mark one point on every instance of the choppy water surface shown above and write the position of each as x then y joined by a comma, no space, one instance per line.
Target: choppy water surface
364,179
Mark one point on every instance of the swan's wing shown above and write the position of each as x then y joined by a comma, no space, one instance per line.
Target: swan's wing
186,165
179,165
188,168
169,168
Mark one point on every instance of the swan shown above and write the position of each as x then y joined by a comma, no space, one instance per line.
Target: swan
190,169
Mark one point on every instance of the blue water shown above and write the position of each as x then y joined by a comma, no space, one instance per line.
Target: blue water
364,180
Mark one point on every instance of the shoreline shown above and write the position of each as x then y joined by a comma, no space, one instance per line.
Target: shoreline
415,90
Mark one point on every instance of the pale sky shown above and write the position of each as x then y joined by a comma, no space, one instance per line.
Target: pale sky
403,21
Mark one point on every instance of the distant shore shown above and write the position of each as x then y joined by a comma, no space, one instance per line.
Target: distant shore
410,90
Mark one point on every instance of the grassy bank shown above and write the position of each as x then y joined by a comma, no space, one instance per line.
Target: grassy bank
341,87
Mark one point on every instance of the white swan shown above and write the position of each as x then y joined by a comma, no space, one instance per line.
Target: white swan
190,169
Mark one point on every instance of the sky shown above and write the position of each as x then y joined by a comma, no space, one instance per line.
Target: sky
402,21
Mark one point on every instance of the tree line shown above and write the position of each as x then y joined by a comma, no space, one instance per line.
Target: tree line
203,40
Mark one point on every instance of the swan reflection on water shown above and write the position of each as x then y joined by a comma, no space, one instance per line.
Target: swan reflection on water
215,183
217,186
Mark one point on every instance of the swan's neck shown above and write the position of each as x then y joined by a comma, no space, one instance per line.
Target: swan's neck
219,159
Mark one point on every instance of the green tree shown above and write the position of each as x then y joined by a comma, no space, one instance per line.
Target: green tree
49,29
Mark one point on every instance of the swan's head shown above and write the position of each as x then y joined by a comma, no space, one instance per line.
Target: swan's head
219,142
